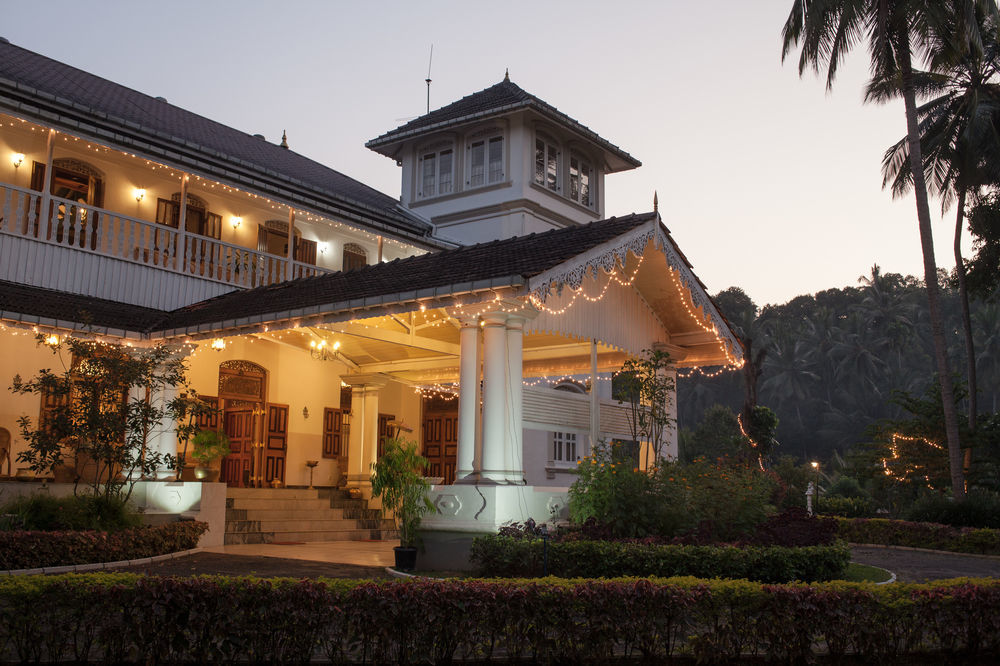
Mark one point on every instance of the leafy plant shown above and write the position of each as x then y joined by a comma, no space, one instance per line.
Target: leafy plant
209,446
104,406
397,480
187,409
645,385
84,512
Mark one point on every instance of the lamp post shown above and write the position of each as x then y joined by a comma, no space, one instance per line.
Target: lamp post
815,466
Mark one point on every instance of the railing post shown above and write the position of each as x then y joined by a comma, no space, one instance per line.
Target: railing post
289,275
182,224
45,213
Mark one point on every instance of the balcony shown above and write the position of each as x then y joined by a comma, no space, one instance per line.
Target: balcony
70,225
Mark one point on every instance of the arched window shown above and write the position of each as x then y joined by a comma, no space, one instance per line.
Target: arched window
71,179
199,220
354,257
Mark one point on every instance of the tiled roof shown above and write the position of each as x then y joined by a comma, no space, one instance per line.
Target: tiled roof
503,261
495,100
38,87
36,305
523,256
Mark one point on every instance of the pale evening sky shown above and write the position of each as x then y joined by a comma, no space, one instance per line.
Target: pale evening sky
766,181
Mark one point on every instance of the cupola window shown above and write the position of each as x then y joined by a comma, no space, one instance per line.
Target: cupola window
580,174
546,163
436,173
486,160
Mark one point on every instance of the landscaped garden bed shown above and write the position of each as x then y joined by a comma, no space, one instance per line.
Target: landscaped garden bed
20,549
128,618
981,541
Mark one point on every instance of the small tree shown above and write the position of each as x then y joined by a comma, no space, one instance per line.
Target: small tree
101,412
646,387
398,481
187,409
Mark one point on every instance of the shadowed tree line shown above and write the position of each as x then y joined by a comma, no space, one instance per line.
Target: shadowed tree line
829,364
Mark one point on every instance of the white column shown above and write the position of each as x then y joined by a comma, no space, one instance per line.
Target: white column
363,439
670,449
595,399
514,440
468,399
182,224
494,396
46,214
289,275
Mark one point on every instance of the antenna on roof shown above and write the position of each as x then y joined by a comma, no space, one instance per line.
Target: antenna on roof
428,79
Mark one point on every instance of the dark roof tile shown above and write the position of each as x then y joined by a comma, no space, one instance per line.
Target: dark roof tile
494,100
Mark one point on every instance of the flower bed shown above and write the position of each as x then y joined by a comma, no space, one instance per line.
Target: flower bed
919,535
31,550
127,618
509,557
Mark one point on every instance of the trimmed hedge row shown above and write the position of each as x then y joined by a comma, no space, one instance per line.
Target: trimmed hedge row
31,550
502,556
919,535
128,618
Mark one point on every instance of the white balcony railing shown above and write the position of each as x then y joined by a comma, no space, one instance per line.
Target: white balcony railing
74,225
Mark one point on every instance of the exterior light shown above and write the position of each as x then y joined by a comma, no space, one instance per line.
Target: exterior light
814,464
236,222
323,248
52,340
218,344
17,159
139,194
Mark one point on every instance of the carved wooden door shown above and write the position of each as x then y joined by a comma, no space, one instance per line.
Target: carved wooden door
440,435
239,427
275,443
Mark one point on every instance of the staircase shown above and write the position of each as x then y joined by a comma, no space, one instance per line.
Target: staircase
296,515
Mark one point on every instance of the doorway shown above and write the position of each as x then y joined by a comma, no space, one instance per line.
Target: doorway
440,437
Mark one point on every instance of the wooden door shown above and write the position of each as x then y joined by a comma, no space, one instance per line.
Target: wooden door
440,435
275,443
238,425
385,431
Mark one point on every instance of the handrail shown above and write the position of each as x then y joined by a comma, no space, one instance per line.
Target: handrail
100,231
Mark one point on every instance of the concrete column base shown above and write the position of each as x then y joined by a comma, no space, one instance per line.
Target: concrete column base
464,512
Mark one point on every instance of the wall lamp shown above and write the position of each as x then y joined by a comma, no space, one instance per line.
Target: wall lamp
323,248
17,159
139,194
236,222
218,344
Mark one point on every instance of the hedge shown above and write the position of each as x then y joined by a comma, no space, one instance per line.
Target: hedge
128,618
919,535
31,550
502,556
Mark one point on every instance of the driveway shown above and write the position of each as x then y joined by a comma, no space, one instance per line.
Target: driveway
917,566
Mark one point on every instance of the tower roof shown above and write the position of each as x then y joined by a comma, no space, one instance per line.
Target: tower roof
500,99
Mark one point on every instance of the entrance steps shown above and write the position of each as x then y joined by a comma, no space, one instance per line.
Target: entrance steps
284,515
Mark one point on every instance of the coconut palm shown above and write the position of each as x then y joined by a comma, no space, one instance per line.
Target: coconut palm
960,144
827,30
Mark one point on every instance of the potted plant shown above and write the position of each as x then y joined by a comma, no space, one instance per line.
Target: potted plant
398,481
209,447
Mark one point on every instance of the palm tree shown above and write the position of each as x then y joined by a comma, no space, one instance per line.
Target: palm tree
959,141
827,30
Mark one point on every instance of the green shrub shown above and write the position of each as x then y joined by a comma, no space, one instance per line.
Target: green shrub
726,501
919,535
846,486
84,512
978,509
33,550
133,619
848,507
508,557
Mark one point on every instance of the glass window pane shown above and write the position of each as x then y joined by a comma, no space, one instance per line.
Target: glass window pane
574,179
477,161
552,168
427,187
496,159
585,184
444,175
539,161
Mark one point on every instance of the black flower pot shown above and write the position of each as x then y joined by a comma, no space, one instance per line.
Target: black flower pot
406,558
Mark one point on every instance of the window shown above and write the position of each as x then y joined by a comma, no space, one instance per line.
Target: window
198,219
580,181
564,447
436,169
354,257
546,163
486,160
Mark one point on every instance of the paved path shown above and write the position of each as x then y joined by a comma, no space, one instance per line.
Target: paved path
917,566
368,560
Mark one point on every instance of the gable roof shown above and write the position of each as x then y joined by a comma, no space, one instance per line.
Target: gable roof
501,98
38,88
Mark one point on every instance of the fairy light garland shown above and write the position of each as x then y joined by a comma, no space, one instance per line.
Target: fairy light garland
895,439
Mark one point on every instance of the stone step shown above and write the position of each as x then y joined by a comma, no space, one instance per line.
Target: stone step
334,525
283,514
272,493
278,504
309,536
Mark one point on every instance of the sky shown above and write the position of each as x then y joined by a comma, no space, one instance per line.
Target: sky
766,180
